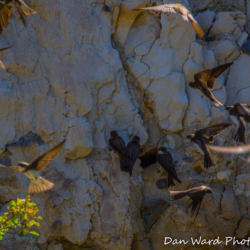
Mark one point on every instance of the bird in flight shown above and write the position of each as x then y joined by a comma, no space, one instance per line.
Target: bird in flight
205,80
177,8
5,12
166,161
37,183
196,196
239,113
205,136
118,144
241,149
132,152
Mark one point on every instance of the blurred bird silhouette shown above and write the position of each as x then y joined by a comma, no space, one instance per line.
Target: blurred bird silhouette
177,8
5,12
38,184
196,196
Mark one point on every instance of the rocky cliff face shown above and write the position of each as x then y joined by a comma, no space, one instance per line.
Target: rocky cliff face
78,71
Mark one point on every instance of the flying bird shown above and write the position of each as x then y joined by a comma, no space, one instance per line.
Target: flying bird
166,161
242,149
177,8
196,196
118,144
205,80
205,136
132,152
2,49
239,113
37,183
5,12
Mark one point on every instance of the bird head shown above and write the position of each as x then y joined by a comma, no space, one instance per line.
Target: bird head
162,150
21,166
113,134
228,108
191,136
192,84
136,139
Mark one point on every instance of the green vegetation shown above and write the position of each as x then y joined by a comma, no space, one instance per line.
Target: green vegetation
20,214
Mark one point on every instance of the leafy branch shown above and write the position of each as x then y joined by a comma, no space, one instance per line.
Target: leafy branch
22,214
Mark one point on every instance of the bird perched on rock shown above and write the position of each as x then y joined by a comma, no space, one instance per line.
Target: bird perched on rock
132,152
2,49
205,136
118,144
177,8
166,161
38,184
5,11
239,113
196,196
205,80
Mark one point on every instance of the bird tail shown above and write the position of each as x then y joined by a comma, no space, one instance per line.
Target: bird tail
197,28
208,162
42,185
176,195
170,181
214,100
240,136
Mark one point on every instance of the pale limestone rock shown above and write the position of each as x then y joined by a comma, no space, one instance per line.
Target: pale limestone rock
238,73
224,175
242,39
79,141
168,94
224,24
205,19
222,49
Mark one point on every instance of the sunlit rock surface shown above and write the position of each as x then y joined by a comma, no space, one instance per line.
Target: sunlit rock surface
78,72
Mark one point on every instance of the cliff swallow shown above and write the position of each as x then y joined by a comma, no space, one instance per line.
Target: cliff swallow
166,161
238,113
196,196
177,8
5,12
205,80
133,151
37,183
118,144
2,49
205,136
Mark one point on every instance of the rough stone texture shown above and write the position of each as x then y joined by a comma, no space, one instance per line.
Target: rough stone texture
78,72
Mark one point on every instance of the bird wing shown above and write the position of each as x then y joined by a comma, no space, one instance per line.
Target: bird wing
2,49
45,158
133,151
118,144
197,28
176,195
240,134
197,196
202,77
5,13
20,11
216,72
242,109
165,8
166,161
231,150
214,130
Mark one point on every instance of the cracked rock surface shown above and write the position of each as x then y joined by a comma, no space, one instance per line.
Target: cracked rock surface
78,72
